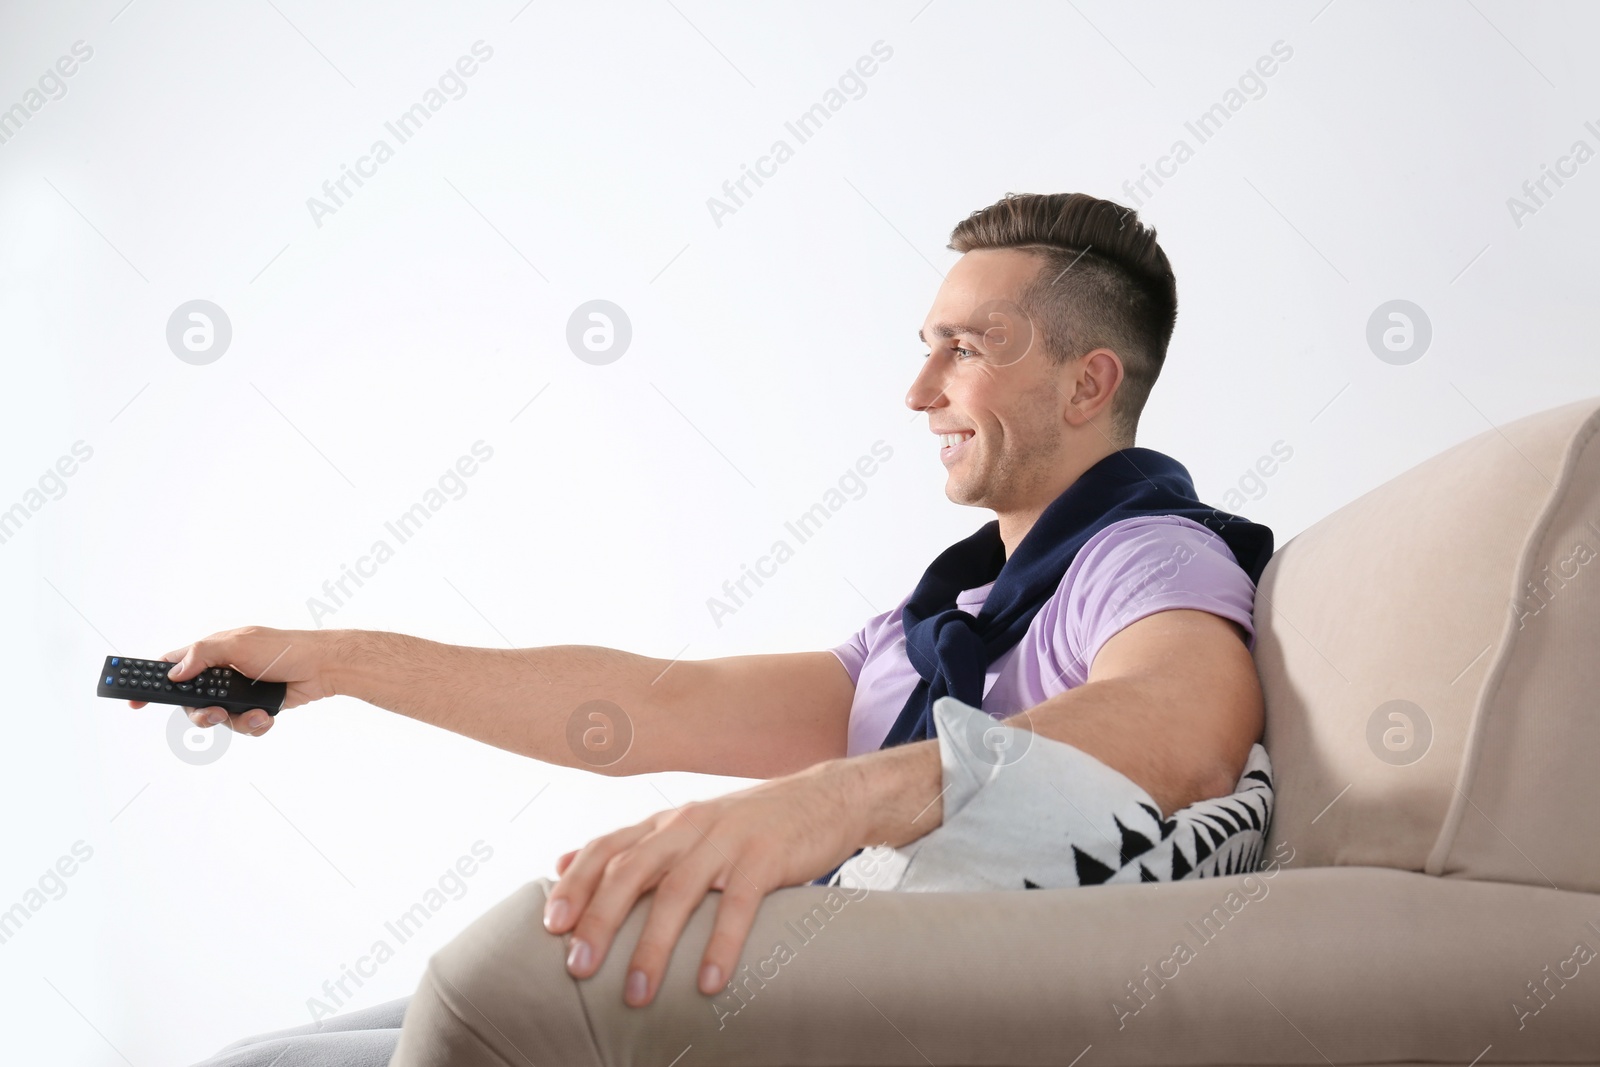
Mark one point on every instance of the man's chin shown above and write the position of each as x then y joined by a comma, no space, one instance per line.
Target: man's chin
957,491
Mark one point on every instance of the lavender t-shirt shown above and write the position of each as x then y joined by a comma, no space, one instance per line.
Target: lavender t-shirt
1128,570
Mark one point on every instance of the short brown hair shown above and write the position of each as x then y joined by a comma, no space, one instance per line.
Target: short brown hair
1104,283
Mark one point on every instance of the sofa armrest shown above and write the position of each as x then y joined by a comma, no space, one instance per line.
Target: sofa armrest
1351,964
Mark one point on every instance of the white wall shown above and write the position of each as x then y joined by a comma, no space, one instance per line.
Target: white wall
375,345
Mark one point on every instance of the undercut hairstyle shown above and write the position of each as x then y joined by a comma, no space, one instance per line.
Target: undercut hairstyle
1103,282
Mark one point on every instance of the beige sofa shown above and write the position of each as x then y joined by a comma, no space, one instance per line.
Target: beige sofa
1431,659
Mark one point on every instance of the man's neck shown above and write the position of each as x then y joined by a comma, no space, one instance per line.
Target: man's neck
1015,523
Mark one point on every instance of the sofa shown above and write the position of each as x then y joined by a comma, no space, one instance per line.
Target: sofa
1430,890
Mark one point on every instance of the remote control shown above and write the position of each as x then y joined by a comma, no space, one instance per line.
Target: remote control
214,687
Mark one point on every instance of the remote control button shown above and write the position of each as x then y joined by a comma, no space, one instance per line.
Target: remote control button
108,679
115,661
167,686
122,670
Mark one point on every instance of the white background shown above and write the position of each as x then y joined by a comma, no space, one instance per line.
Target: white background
768,354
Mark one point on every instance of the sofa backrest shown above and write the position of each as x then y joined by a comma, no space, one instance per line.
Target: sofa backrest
1430,659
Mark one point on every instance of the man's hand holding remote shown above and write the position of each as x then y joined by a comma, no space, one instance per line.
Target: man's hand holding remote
297,657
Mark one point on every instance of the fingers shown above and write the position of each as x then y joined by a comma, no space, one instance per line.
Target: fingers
205,716
626,877
672,855
736,914
679,863
255,722
565,861
571,895
675,899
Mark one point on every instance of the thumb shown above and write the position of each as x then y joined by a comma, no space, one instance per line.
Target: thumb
187,662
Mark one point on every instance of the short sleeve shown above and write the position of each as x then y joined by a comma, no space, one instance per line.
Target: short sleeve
1141,566
853,653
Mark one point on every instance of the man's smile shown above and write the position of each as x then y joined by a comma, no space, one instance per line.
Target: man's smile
953,443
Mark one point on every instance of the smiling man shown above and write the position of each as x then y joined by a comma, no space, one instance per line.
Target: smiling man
1065,615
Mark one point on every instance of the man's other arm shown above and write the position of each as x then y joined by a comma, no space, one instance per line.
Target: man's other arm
1172,701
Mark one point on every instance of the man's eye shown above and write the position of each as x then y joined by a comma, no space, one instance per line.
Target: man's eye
959,350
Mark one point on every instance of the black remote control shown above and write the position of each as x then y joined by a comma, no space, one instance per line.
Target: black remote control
214,687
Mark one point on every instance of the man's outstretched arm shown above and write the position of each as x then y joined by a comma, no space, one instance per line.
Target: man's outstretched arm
1172,701
744,716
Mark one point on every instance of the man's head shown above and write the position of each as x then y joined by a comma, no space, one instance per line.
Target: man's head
1044,341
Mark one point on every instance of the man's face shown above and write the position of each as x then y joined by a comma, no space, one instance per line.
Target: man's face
987,377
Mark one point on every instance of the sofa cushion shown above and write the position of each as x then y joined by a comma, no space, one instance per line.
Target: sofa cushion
1430,668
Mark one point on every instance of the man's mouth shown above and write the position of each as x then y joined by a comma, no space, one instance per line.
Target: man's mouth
951,445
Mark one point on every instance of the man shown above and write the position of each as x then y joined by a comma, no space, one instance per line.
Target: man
1043,343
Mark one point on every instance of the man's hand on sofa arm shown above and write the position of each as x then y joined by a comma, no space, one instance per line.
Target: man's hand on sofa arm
783,832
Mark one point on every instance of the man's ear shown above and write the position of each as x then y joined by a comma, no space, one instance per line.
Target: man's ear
1095,377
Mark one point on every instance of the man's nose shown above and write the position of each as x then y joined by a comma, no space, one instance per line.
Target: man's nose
927,389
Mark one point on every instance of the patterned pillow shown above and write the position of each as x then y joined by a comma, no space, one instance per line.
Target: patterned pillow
1024,811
